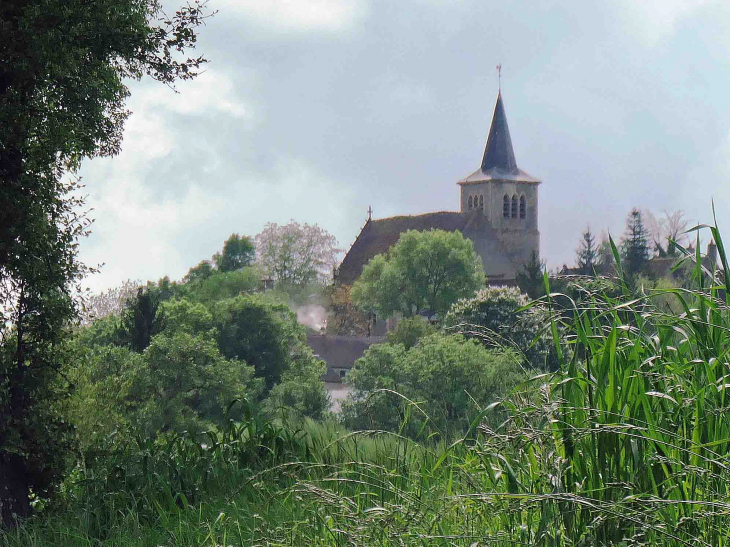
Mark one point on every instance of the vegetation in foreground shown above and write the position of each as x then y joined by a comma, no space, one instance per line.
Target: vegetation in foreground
624,445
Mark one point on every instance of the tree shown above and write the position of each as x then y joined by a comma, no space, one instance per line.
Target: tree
141,320
493,317
109,302
675,231
635,244
202,271
62,65
606,259
238,252
409,331
449,377
423,270
181,382
224,285
38,272
301,388
587,253
296,254
344,316
667,231
259,332
530,278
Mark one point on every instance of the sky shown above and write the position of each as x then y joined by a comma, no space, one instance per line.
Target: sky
314,110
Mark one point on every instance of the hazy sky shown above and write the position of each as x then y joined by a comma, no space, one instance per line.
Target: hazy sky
313,110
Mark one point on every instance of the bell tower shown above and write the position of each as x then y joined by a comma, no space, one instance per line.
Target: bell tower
505,194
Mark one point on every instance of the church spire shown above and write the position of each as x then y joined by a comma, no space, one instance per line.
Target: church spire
498,153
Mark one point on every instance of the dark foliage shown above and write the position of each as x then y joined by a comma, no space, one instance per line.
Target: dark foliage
587,253
141,320
258,332
62,65
530,279
635,244
238,252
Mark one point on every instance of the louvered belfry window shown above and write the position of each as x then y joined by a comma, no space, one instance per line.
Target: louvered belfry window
505,206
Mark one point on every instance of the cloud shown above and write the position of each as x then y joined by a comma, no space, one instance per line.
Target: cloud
655,20
298,15
212,91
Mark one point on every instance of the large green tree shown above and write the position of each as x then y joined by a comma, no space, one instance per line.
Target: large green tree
449,377
423,270
237,253
259,332
62,98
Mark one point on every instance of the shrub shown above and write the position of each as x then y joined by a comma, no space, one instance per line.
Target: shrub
409,331
181,382
259,332
494,318
450,377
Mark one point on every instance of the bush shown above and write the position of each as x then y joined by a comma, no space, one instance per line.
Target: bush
494,318
181,382
409,331
450,377
259,332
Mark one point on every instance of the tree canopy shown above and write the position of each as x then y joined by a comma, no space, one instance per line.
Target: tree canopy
62,99
494,316
447,376
238,252
296,254
423,270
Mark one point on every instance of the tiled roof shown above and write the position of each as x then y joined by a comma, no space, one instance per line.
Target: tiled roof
340,351
377,236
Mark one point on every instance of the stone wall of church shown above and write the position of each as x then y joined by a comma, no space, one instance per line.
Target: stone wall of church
519,235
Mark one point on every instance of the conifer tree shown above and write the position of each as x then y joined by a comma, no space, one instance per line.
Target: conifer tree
587,253
635,244
530,278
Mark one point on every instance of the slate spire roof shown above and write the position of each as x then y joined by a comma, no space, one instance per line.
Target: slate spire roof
499,153
499,161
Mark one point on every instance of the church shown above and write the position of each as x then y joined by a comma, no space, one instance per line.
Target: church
498,213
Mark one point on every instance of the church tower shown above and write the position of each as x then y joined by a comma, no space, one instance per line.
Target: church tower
503,193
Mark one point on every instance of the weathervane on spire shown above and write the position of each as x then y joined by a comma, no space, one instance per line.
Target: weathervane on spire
499,74
370,212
